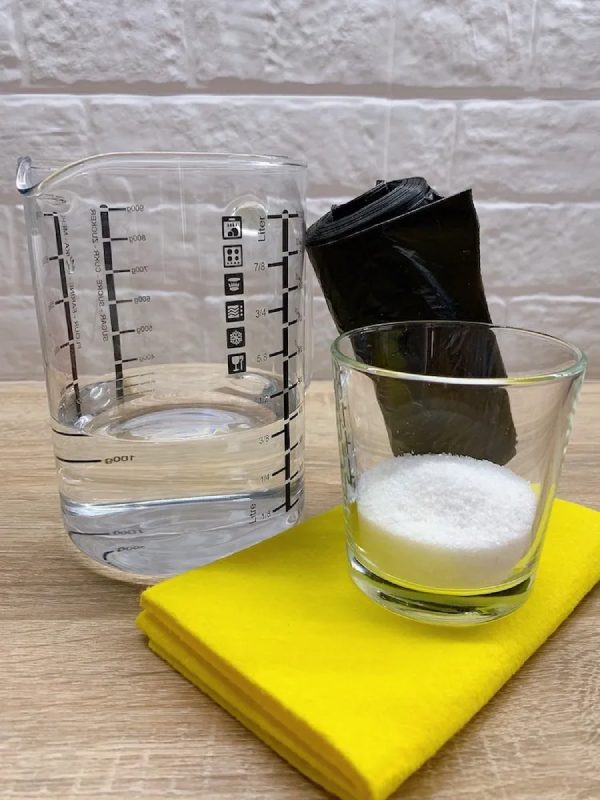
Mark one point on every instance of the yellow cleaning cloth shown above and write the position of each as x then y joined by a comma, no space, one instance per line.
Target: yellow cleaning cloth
350,694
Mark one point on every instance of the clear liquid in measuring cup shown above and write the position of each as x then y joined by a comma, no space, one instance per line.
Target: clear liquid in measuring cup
154,487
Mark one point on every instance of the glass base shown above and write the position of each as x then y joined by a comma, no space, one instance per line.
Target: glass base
438,608
159,538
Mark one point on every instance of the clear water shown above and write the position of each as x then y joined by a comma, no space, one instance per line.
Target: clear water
154,487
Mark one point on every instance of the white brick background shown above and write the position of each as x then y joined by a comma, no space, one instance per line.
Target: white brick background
502,96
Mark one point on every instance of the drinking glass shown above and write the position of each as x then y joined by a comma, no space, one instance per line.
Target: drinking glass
451,440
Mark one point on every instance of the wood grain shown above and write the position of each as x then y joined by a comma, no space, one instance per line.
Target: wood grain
86,711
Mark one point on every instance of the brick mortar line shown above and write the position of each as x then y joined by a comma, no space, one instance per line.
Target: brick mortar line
244,89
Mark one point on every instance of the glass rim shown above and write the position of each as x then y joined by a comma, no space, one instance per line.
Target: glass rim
204,159
528,378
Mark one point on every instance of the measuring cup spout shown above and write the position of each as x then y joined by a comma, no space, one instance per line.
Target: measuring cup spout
24,175
29,175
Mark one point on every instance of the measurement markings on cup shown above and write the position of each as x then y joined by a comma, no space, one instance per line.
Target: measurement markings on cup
66,304
111,289
288,383
112,300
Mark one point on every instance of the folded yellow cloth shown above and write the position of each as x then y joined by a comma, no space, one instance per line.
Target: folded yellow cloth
353,696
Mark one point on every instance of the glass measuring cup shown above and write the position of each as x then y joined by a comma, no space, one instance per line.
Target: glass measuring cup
170,297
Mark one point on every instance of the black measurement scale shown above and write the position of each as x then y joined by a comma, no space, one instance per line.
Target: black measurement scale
113,303
66,304
65,300
286,355
232,228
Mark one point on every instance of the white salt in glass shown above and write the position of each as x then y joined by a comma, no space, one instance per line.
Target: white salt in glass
451,439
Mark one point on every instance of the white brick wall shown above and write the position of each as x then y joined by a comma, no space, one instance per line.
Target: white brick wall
503,96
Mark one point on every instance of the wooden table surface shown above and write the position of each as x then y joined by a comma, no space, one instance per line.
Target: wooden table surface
86,711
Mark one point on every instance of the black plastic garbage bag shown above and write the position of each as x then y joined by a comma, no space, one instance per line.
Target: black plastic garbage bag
401,252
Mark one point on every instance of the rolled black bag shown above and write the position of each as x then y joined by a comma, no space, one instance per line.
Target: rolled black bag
401,252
